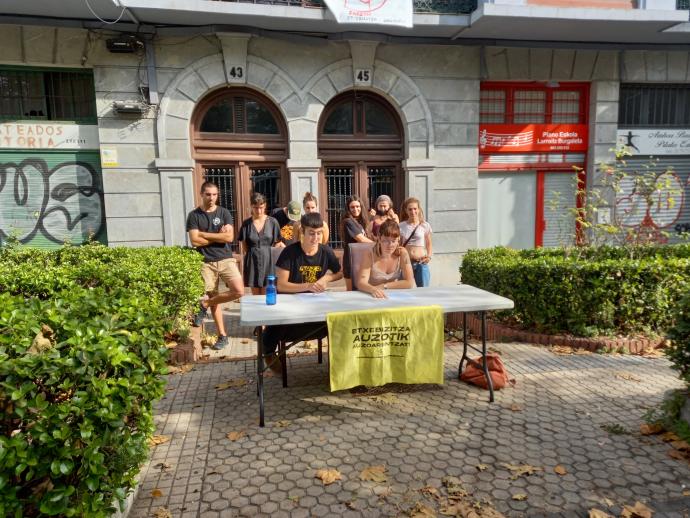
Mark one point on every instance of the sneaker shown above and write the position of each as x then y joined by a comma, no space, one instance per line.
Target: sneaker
221,343
200,316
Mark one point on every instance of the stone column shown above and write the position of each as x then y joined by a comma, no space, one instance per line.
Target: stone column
177,198
304,177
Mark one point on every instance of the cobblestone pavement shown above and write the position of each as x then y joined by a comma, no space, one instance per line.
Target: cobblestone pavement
557,415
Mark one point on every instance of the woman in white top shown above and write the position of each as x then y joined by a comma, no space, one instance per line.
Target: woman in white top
386,267
415,234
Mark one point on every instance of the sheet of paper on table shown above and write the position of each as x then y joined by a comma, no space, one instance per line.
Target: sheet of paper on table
311,297
400,295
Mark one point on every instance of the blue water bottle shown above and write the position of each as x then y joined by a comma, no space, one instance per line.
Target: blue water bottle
271,290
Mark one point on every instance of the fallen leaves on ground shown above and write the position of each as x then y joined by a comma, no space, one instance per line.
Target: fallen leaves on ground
669,437
283,423
236,435
294,499
520,497
627,376
560,470
162,512
454,487
163,466
430,491
566,349
422,511
156,493
639,510
180,369
239,382
651,429
652,353
615,429
516,407
385,399
374,474
328,476
597,513
521,469
481,467
208,339
158,439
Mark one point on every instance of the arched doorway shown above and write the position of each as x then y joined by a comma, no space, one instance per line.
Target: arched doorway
361,148
239,142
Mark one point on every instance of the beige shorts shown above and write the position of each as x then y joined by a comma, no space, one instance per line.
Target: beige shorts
225,270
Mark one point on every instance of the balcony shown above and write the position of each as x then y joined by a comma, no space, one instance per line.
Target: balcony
420,6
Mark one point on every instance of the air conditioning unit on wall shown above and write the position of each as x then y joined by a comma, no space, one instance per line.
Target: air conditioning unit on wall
129,107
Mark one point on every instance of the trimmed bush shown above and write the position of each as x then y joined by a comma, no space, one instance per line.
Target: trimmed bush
600,291
81,357
679,349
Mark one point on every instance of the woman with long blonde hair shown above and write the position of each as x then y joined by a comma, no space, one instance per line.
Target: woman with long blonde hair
415,233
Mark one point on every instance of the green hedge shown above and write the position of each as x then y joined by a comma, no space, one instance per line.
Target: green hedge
679,350
81,358
599,291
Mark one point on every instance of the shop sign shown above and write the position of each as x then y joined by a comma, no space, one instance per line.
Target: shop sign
46,135
655,141
520,138
379,12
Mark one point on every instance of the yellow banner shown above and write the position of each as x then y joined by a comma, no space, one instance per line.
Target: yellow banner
378,346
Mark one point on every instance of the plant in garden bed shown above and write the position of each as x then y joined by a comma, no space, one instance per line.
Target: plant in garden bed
81,357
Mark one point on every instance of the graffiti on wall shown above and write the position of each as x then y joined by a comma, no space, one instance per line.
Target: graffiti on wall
662,212
63,204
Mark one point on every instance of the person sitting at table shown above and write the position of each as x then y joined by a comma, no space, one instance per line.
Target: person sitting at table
302,267
387,266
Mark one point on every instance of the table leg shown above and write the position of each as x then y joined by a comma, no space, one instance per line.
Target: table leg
260,373
484,360
464,344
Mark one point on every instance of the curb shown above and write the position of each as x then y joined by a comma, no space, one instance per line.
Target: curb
498,332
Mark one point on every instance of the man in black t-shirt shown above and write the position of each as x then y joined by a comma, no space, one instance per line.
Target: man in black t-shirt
288,218
210,230
302,267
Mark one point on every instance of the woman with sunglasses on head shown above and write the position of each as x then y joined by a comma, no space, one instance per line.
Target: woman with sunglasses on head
388,266
353,230
416,237
257,235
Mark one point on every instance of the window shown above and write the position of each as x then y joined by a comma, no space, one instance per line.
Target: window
360,117
239,115
533,103
654,106
54,95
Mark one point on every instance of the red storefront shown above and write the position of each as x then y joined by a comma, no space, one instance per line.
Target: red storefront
532,149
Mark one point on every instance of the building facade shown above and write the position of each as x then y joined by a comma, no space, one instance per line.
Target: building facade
108,130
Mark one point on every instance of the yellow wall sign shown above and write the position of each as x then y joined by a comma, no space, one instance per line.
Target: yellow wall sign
379,346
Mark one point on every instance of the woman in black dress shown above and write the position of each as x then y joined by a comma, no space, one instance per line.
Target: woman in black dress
353,227
257,235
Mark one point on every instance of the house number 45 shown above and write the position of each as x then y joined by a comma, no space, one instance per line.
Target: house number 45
363,76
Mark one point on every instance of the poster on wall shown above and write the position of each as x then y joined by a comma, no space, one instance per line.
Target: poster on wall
46,135
659,142
520,138
379,12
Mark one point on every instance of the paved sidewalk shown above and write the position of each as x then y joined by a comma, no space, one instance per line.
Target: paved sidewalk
558,414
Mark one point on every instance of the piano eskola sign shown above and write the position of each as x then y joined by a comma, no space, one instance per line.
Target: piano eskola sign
519,138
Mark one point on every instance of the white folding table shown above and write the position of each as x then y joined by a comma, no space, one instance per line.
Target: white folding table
301,308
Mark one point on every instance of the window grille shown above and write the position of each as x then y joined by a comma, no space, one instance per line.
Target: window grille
654,106
339,187
529,107
266,180
381,181
493,107
47,95
565,107
239,115
224,178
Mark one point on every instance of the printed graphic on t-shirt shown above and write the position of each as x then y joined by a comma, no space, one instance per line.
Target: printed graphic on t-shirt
310,273
216,221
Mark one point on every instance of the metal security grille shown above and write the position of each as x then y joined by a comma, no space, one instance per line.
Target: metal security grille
683,4
338,186
492,107
529,107
266,180
43,95
651,106
224,178
565,107
381,181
